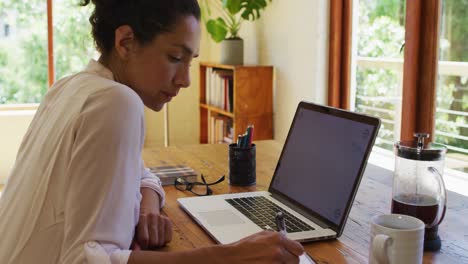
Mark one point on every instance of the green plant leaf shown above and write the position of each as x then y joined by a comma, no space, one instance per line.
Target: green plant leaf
233,6
251,8
233,12
217,28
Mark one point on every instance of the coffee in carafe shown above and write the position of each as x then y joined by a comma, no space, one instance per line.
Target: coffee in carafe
420,206
418,186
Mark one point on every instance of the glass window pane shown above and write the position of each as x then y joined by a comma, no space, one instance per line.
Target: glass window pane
452,88
73,43
23,46
23,51
377,80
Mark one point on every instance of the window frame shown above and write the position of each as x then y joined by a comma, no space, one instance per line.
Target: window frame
50,44
420,67
339,53
420,62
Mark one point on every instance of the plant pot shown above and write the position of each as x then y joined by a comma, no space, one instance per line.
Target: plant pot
232,51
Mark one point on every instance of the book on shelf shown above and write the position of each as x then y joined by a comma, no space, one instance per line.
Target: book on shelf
220,128
168,174
218,88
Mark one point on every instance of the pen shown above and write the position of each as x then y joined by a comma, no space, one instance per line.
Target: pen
280,223
251,135
281,226
244,140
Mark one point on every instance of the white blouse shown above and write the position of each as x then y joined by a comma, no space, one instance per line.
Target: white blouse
73,195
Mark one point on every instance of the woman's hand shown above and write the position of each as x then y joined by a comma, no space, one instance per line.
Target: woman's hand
153,229
264,247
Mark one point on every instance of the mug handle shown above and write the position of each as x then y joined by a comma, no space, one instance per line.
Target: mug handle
380,245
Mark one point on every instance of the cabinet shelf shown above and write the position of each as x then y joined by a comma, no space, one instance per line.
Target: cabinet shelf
233,97
217,110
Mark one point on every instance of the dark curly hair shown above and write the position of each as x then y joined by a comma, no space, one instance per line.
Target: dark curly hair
147,18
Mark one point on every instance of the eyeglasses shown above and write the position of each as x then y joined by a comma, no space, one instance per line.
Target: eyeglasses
198,188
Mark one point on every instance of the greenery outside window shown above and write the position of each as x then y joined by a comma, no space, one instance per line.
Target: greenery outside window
452,86
377,81
24,50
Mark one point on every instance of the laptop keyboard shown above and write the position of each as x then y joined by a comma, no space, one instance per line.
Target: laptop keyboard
262,212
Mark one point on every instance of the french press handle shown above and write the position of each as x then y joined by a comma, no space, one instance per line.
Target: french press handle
443,200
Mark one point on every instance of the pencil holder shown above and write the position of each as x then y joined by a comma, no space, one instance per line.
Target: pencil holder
242,168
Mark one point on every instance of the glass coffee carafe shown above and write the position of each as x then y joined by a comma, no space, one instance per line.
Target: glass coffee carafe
418,186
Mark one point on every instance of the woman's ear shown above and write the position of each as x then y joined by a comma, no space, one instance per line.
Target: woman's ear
125,41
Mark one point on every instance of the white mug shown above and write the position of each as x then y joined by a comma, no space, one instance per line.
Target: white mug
396,238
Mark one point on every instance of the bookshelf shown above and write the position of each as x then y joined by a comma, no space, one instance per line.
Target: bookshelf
231,98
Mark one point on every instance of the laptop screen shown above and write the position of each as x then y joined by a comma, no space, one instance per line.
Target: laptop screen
321,161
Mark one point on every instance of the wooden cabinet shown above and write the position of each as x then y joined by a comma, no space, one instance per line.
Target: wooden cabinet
237,95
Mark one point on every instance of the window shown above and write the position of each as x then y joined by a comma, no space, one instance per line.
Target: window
378,77
73,43
23,57
452,85
24,50
407,86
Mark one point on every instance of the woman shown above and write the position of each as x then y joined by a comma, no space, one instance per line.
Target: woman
79,192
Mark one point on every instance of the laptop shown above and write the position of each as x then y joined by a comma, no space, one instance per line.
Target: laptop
314,183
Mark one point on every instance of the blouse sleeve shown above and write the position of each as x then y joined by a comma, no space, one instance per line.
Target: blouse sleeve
152,181
102,197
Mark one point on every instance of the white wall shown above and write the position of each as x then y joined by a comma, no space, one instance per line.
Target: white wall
13,126
293,37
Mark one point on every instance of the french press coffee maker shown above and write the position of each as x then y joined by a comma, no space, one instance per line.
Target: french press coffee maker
418,186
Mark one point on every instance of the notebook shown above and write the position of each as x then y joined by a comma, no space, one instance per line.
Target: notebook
168,174
314,183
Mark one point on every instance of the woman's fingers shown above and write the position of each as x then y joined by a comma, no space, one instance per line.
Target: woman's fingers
161,231
168,230
153,228
135,245
290,258
266,247
142,232
293,247
153,231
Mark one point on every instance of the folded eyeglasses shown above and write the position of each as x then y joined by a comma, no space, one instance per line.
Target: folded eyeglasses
198,188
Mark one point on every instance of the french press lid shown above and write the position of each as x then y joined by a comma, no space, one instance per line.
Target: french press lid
415,150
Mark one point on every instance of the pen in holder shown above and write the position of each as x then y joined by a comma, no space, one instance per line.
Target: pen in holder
242,165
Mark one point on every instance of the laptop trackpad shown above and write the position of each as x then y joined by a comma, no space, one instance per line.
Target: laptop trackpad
221,218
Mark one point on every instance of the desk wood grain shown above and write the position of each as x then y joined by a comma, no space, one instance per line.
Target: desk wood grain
374,197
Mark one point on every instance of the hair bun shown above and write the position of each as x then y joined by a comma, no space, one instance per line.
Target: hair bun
147,18
98,2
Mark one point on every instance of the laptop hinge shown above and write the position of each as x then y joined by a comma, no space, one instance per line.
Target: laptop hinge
300,211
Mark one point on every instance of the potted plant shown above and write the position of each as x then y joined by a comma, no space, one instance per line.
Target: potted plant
225,28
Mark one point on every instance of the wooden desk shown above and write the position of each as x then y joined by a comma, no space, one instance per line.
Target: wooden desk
374,197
